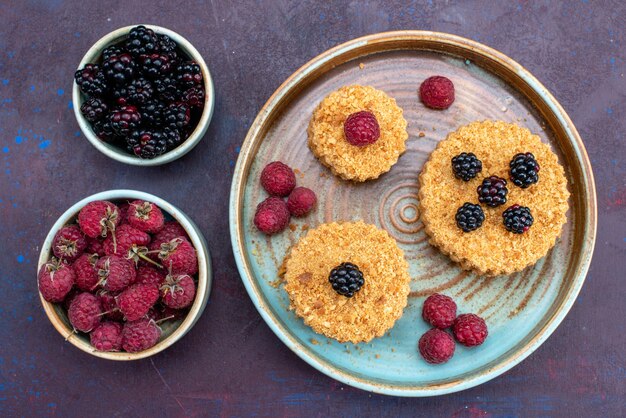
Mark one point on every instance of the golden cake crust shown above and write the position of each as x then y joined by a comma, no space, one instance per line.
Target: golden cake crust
327,141
372,310
491,249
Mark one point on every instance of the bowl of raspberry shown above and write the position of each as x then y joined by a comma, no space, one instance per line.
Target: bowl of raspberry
123,274
143,95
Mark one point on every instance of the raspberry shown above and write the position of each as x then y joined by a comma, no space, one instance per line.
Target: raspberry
69,243
116,273
524,170
86,273
55,280
492,192
85,312
170,230
437,92
123,239
278,179
136,300
123,209
470,330
140,335
466,166
109,305
439,311
94,109
469,217
145,216
178,256
301,201
346,279
517,219
98,218
436,346
94,246
107,336
272,216
150,275
70,297
178,291
361,128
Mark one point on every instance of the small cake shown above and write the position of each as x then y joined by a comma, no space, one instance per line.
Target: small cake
328,142
482,212
316,266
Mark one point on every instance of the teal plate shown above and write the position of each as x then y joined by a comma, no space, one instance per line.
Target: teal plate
521,310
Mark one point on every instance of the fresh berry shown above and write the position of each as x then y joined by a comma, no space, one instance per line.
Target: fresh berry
272,215
470,330
55,280
116,273
173,138
94,109
152,113
167,46
189,74
141,41
86,273
123,208
107,336
177,256
140,91
120,94
70,297
361,128
109,305
147,144
111,51
85,312
469,217
194,97
150,275
301,201
69,243
104,131
170,230
346,279
439,311
167,89
140,335
466,166
437,92
436,346
123,240
91,80
178,291
524,170
136,300
94,246
278,179
98,218
492,192
517,219
145,216
119,69
155,65
124,119
176,116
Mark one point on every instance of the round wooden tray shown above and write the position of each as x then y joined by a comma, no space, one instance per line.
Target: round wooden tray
522,310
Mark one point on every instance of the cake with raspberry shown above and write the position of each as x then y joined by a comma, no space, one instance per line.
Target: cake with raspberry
493,197
359,132
348,281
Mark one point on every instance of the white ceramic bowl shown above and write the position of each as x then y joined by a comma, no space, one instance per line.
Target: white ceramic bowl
94,55
172,330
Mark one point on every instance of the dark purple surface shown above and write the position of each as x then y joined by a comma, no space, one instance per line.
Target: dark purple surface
231,364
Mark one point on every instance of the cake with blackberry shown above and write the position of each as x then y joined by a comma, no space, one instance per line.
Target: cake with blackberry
493,197
348,281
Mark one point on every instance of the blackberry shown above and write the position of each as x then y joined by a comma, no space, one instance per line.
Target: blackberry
120,95
167,89
466,166
492,192
168,47
173,138
142,40
105,132
176,116
188,74
155,65
94,109
120,69
469,217
111,51
152,113
125,119
524,170
346,279
91,80
140,91
146,143
517,219
194,97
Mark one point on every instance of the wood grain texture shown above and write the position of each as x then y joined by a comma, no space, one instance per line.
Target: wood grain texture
231,364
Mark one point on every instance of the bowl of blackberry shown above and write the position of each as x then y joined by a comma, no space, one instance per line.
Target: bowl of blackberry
143,95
